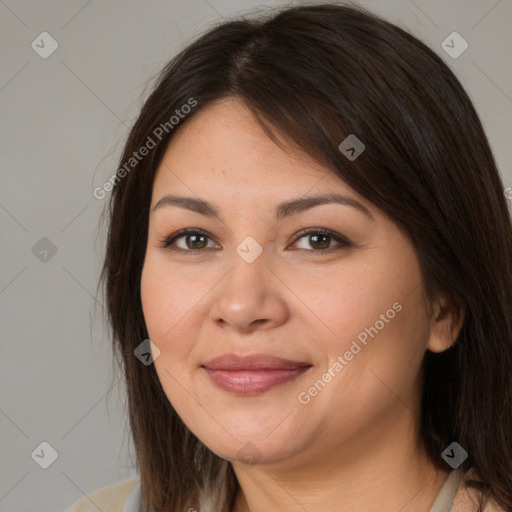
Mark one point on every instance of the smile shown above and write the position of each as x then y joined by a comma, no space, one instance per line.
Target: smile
252,382
252,374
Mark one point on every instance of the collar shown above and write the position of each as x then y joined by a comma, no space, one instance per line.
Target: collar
133,502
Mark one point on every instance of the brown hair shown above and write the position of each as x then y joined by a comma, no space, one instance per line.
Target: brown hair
312,75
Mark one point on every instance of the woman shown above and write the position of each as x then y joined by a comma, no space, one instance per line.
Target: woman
309,225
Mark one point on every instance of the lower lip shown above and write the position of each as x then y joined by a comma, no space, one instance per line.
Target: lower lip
252,382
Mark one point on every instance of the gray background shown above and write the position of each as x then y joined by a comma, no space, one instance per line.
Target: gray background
64,119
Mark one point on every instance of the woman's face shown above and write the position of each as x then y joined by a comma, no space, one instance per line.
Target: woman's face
345,312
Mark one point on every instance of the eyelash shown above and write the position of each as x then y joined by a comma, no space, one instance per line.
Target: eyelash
344,242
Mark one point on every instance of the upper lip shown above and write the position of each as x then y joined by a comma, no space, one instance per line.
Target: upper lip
252,362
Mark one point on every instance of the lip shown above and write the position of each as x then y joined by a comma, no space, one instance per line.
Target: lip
252,374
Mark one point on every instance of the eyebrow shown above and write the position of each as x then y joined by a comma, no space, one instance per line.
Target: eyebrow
282,210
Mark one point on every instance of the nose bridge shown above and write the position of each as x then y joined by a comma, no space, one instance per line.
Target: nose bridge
249,250
247,293
249,266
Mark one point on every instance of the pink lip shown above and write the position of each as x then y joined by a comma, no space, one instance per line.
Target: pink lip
250,375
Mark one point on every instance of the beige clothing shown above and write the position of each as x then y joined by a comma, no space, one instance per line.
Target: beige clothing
452,497
466,500
110,498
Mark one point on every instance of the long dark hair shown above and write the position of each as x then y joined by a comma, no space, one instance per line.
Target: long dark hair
312,75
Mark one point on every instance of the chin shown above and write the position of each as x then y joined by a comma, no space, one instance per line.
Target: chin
252,449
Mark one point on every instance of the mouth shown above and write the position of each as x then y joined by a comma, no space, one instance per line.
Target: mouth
254,374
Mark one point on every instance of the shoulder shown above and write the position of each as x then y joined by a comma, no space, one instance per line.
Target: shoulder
467,498
111,498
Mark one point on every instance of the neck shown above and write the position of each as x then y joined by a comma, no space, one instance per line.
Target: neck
386,471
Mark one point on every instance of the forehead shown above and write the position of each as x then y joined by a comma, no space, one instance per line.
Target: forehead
223,146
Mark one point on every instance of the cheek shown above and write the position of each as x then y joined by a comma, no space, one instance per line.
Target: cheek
385,353
165,297
156,300
170,311
168,308
372,317
349,302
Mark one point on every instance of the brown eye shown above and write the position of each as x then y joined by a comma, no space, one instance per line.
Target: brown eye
320,240
195,241
192,240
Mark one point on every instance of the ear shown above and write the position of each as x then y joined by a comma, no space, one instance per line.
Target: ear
445,325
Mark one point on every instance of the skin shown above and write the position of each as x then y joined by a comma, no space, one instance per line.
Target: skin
355,445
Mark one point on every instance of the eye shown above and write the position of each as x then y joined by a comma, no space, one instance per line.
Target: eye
195,240
320,239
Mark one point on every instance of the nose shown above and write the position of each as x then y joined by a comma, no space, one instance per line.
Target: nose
251,296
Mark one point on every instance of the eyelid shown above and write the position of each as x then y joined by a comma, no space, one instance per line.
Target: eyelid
342,240
167,241
338,237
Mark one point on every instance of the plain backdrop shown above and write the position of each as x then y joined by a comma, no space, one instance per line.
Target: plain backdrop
63,122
